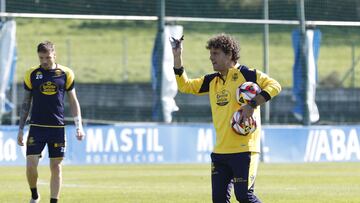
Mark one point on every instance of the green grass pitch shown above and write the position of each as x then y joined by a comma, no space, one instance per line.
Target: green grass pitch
276,183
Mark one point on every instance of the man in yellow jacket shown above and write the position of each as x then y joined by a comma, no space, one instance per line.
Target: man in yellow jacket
235,158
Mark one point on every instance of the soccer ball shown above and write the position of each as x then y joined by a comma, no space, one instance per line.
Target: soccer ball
246,92
242,127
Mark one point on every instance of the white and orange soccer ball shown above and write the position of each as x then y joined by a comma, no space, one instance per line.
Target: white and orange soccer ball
242,127
246,92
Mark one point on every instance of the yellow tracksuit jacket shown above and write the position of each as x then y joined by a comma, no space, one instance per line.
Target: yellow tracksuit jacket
222,95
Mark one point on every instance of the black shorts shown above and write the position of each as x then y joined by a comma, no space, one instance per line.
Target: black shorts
238,170
40,136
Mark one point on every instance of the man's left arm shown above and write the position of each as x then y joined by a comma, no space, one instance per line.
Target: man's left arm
270,88
76,113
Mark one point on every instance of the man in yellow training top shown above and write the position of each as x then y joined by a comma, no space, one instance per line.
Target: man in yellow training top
45,87
235,158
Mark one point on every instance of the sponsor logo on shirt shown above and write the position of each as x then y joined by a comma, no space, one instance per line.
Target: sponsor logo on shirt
48,88
222,97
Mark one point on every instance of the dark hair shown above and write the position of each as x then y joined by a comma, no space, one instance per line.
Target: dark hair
45,47
227,44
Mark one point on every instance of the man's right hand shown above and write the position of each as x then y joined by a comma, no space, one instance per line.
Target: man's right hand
176,45
80,134
247,112
20,138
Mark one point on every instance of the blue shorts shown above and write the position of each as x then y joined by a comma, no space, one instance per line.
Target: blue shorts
40,136
237,170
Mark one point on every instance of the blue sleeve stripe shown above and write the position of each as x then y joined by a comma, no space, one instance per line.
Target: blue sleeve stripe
249,75
206,83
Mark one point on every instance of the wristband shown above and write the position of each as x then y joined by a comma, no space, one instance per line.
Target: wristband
78,122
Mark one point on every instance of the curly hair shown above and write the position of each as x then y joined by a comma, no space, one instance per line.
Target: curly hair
227,44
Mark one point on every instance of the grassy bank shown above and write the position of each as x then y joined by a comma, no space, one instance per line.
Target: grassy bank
120,51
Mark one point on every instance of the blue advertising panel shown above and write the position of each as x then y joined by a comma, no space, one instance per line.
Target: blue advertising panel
161,143
311,144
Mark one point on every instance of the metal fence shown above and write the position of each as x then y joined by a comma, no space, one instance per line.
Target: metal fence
108,52
112,103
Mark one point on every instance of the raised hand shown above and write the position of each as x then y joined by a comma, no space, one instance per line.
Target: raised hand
176,45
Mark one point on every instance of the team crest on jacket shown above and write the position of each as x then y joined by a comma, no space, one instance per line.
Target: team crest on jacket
58,73
235,76
222,97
